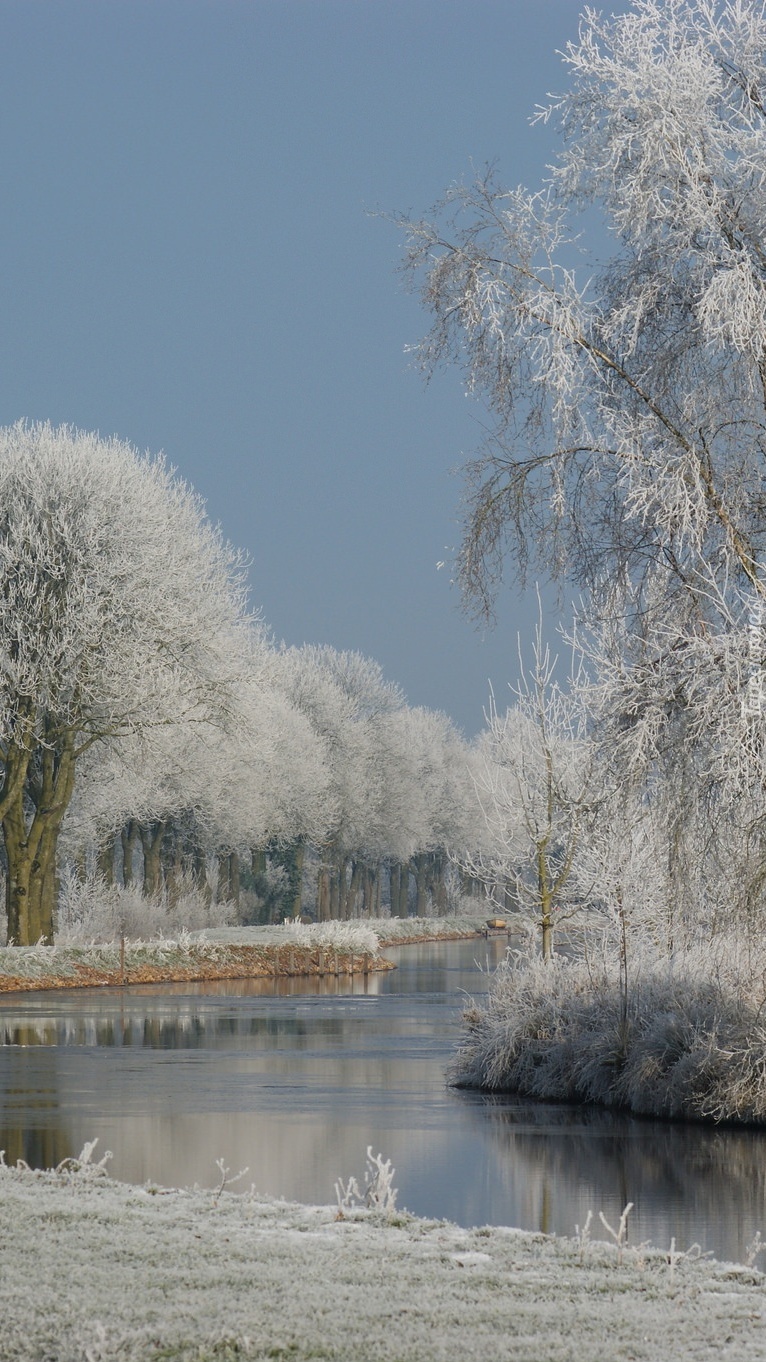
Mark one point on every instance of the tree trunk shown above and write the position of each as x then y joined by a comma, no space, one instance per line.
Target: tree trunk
228,878
394,881
369,888
349,905
470,886
234,878
403,906
323,895
105,860
545,898
172,858
128,840
199,874
337,886
31,842
420,866
436,884
300,853
151,835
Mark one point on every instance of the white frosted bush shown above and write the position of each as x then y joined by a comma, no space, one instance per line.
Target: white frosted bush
687,1039
353,936
91,910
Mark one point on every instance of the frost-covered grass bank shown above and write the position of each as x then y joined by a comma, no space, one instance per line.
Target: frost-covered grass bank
186,959
378,931
94,1270
684,1037
291,949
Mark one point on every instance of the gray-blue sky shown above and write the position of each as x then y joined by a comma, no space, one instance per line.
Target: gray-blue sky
188,261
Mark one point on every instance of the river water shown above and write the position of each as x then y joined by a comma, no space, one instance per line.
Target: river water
295,1080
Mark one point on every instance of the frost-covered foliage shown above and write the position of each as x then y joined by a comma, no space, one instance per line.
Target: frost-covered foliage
535,782
120,607
204,1275
627,392
149,728
78,962
378,1193
628,400
392,930
630,397
356,937
686,1037
338,936
91,910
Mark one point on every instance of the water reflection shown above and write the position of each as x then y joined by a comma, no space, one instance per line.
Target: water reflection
296,1083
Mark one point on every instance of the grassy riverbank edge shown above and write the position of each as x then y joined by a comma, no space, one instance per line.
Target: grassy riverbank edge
287,951
682,1037
99,1270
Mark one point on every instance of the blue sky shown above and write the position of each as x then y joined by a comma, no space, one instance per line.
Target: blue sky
190,262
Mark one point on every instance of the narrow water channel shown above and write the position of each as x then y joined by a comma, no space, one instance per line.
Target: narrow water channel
295,1082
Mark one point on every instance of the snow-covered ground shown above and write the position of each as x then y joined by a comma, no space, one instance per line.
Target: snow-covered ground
93,1270
357,934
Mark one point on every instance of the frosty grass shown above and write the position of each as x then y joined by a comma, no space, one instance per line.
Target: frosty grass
92,1269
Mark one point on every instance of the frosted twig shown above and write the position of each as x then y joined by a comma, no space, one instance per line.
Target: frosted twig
582,1236
692,1255
83,1164
379,1193
620,1235
226,1178
754,1248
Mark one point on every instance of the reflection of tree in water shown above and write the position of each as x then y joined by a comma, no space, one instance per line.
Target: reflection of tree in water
32,1125
680,1177
184,1030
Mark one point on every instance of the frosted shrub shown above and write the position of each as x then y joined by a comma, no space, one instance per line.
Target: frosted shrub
91,910
687,1040
355,937
82,1165
378,1194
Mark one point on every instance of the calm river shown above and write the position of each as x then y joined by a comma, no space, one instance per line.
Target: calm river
295,1082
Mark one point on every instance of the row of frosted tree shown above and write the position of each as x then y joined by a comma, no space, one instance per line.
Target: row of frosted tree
153,734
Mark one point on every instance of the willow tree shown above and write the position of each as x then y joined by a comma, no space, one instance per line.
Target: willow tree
614,323
117,606
629,398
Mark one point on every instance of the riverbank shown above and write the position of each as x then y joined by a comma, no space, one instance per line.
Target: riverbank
681,1037
292,950
98,1270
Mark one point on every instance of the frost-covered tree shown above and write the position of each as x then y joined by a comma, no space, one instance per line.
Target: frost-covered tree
118,604
629,397
537,784
627,385
347,700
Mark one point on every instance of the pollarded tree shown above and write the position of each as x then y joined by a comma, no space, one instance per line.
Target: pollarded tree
118,603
